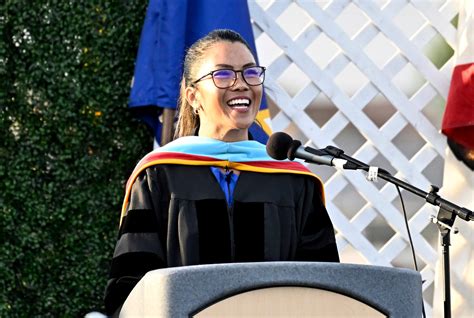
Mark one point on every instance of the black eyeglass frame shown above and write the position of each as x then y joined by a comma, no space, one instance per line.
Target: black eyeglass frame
263,68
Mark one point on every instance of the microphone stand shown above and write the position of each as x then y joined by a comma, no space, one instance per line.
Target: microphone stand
445,219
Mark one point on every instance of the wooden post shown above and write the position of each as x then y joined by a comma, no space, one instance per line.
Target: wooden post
167,130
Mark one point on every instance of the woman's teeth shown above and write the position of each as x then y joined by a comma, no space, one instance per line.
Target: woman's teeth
239,102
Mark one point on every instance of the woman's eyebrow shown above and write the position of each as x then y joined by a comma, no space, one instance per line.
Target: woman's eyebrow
232,67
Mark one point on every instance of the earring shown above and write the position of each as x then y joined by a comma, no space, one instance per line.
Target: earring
196,111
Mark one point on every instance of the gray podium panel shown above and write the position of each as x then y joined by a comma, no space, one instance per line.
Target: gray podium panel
192,290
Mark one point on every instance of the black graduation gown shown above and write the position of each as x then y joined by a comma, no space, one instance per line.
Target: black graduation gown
178,215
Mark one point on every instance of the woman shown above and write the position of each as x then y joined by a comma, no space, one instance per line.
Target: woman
217,197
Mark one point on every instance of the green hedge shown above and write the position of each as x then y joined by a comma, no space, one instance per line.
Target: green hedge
67,145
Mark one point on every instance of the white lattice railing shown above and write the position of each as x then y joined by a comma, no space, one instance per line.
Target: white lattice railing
362,75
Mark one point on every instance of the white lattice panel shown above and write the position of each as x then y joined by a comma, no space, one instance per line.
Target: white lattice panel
366,77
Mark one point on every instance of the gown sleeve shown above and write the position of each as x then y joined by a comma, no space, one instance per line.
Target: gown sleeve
138,249
317,240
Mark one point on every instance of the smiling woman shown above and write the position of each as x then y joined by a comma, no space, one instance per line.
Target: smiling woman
221,89
227,105
213,195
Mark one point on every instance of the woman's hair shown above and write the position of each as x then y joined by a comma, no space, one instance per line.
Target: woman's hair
188,121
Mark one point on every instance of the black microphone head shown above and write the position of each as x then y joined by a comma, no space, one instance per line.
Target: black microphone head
278,145
295,144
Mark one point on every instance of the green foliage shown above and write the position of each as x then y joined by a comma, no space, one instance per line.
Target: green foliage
67,146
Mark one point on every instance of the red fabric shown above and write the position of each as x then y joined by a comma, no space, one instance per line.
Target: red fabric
458,120
174,157
284,165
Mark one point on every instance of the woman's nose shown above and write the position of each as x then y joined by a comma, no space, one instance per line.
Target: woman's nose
240,82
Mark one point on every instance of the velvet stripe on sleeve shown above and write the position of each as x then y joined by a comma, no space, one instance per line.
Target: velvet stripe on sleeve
138,249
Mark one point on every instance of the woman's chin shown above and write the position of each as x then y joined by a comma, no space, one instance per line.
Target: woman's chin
243,120
243,125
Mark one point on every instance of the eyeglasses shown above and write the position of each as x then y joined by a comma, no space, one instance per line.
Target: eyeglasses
225,78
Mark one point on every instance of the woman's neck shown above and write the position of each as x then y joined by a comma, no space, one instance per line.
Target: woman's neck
227,136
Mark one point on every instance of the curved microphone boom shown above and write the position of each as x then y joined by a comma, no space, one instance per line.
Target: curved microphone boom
281,146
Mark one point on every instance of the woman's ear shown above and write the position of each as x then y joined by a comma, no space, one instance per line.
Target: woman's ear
192,97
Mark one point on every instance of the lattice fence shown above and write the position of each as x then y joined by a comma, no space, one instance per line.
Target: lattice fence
370,77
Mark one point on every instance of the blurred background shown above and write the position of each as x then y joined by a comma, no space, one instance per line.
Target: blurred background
370,77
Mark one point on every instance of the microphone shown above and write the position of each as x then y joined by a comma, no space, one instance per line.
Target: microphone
281,146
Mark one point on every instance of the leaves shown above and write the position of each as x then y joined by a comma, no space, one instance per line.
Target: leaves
68,144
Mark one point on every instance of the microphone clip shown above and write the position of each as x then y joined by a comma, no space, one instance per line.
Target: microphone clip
333,151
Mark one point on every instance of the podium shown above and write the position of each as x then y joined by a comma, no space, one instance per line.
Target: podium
276,289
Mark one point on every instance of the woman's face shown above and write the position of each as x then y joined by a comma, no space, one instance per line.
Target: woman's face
225,113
